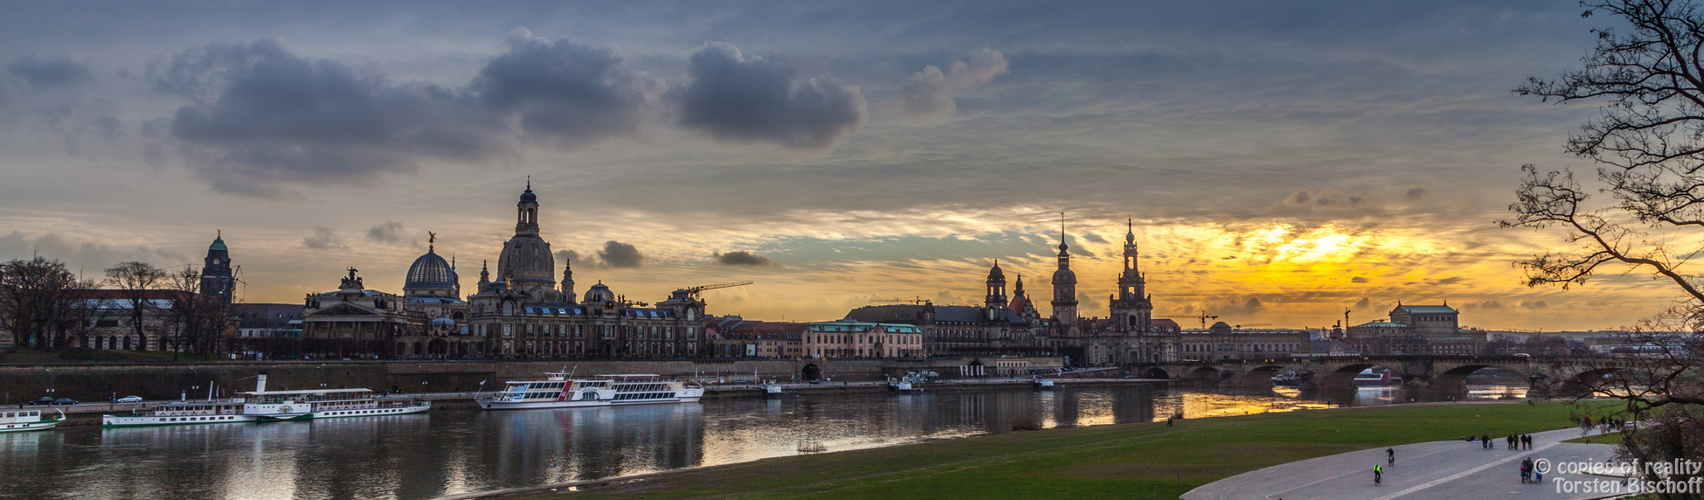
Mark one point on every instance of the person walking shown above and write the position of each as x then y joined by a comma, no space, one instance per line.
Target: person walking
1485,441
1526,470
1390,456
1378,475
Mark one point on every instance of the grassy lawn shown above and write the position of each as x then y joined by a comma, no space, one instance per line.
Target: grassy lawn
1119,461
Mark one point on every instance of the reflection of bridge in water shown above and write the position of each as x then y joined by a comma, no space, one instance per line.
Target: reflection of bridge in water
1438,373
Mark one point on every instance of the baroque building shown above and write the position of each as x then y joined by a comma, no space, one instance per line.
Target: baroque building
522,313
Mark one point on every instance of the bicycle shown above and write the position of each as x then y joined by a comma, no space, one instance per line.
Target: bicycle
1391,454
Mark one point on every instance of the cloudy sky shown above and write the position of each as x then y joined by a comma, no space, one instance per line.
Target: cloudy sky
1281,161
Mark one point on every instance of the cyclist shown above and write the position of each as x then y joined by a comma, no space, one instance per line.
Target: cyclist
1378,475
1390,454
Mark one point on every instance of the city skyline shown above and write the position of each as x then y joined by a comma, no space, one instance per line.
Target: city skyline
1275,173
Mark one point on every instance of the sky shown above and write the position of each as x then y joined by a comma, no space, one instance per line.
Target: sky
1278,162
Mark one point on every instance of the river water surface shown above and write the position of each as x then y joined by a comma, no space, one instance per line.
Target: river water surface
449,451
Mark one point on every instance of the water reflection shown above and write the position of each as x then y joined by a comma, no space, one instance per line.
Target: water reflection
462,450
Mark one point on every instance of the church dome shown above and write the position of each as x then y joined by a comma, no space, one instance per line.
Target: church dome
996,274
1064,276
430,271
599,293
218,245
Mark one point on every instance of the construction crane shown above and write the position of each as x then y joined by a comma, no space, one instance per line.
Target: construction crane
695,289
1204,317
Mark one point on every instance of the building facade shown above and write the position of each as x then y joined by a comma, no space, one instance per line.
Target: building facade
1422,329
521,313
856,339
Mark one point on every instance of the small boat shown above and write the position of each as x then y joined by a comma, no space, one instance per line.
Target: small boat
29,420
1045,384
911,383
774,391
276,406
1374,378
182,413
1287,378
558,391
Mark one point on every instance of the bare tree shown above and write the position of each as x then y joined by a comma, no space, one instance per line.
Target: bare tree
199,320
35,298
1648,139
135,280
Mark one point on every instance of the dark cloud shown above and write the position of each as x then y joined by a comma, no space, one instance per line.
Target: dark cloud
79,256
1359,279
1327,199
1363,304
618,255
323,238
737,98
1094,238
743,258
1415,193
264,118
931,91
388,232
53,73
614,254
573,93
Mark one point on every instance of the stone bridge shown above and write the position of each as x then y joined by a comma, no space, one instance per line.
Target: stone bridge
1441,373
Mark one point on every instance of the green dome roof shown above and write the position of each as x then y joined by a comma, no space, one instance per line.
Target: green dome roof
217,246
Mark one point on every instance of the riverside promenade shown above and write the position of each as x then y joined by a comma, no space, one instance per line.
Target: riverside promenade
1432,470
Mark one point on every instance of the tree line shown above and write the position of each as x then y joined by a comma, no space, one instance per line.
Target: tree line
47,307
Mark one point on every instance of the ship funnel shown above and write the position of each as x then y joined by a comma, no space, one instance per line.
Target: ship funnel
260,385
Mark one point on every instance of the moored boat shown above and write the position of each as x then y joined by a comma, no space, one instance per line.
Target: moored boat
182,413
1372,377
559,391
274,406
29,420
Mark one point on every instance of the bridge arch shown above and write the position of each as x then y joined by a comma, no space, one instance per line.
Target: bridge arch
1344,376
811,372
1260,376
1455,379
1205,373
1155,372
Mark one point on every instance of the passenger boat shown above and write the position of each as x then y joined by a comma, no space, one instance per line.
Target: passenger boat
272,406
1374,378
28,420
182,413
559,391
1045,384
1287,378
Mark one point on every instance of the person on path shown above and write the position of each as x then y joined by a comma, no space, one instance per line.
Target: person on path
1526,470
1378,475
1390,456
1485,441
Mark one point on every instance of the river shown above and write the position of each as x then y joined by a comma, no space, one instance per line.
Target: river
451,450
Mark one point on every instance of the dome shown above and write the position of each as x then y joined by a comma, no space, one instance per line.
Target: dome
996,274
430,271
1064,276
599,293
443,322
218,245
528,196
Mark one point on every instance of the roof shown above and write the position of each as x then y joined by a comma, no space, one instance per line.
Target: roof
429,271
307,391
218,245
1018,303
1165,324
913,314
1429,309
859,326
1380,324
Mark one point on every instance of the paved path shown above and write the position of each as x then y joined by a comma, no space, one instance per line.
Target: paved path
1435,470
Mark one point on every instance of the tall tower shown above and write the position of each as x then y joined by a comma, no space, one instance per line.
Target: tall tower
996,299
526,264
568,281
216,276
1064,283
1132,307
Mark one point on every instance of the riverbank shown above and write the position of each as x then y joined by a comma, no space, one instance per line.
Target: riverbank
1145,460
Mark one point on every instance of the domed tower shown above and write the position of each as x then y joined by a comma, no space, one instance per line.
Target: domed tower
217,277
1064,283
996,299
431,275
526,262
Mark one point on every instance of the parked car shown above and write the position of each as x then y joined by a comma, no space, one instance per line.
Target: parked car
42,401
65,401
129,399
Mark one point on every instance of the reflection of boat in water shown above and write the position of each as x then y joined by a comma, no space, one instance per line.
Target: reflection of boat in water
558,391
1374,377
269,406
29,420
